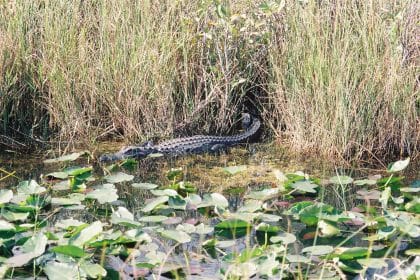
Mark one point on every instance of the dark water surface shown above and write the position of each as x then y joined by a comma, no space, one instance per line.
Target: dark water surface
204,171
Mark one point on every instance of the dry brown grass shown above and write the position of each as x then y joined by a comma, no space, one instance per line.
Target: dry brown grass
339,77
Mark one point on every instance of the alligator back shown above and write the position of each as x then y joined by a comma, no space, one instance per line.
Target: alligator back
188,145
205,143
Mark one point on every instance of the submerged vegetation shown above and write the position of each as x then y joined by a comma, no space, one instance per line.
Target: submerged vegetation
74,223
338,77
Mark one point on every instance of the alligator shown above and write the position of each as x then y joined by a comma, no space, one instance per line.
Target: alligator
188,145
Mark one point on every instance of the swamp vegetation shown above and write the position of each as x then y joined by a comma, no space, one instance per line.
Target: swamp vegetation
335,83
337,78
160,219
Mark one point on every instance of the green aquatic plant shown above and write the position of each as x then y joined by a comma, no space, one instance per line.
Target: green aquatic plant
176,233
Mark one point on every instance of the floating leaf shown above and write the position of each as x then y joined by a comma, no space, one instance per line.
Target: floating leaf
203,229
6,226
124,217
118,178
70,157
77,171
268,266
178,236
341,180
368,195
61,271
410,190
413,252
86,234
311,215
269,218
369,182
251,206
166,192
5,196
153,219
351,253
235,169
104,193
284,237
327,229
297,259
373,263
144,186
305,186
32,248
264,194
67,223
14,216
92,270
232,228
69,250
30,187
398,165
188,228
177,202
318,250
154,203
242,270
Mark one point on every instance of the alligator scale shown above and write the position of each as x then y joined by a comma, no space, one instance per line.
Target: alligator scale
188,145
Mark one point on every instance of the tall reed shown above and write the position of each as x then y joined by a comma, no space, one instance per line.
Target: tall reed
339,81
335,76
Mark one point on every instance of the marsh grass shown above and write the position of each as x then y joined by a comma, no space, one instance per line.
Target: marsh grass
339,83
336,77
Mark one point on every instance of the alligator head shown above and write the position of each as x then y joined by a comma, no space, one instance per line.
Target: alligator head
128,152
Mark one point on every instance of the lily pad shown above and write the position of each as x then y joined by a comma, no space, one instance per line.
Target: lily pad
93,270
124,217
318,250
30,187
32,248
341,180
153,219
71,199
69,250
61,271
398,165
305,186
177,235
284,237
6,226
15,216
86,234
118,177
232,228
104,193
264,194
154,203
5,196
144,186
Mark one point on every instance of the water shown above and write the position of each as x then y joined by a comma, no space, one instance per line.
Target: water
262,164
203,171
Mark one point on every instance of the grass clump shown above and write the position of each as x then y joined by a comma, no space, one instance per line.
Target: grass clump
340,83
340,77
